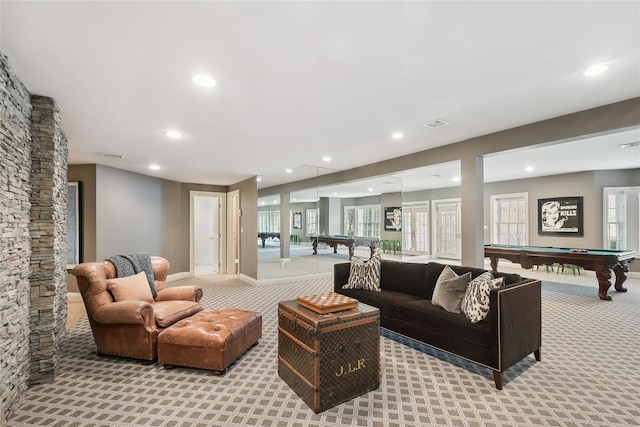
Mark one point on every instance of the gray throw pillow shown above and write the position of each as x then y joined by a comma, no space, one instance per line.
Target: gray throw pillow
364,274
447,273
475,303
448,293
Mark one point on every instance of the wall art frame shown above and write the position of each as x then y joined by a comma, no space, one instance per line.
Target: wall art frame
561,216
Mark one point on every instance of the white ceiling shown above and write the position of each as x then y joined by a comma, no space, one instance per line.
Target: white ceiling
297,81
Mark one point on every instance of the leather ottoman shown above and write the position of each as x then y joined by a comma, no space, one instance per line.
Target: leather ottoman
211,339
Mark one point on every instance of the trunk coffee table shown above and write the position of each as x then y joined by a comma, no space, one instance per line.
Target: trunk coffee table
328,357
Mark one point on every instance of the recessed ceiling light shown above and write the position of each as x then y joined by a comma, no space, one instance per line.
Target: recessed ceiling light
258,179
204,80
529,169
288,171
397,135
370,188
457,179
173,134
154,167
326,159
595,70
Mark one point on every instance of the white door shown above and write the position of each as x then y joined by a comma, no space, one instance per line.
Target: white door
448,230
415,229
206,236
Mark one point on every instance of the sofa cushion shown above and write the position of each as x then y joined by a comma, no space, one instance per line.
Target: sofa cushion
384,300
406,277
450,289
364,274
475,303
424,314
169,312
130,288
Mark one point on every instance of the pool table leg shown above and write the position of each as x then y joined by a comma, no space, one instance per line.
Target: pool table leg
620,271
603,274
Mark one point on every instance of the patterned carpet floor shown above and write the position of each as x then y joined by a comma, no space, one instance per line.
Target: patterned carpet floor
588,375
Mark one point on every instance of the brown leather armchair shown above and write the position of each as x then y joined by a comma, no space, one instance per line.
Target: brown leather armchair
130,328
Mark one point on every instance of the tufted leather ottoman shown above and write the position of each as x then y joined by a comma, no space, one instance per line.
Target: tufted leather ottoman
211,339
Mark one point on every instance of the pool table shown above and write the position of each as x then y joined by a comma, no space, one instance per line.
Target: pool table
349,242
602,261
265,235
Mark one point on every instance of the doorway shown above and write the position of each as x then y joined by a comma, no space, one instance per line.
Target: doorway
415,229
207,234
448,229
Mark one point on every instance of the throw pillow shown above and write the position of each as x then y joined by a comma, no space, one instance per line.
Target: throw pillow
130,288
364,274
448,293
447,273
475,303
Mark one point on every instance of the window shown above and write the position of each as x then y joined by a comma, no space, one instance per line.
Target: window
363,221
621,218
263,221
509,219
312,222
268,221
349,221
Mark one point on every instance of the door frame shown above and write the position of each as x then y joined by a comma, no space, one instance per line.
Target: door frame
411,207
222,235
435,224
232,246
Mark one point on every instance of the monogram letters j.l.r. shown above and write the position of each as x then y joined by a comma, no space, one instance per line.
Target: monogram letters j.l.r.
350,367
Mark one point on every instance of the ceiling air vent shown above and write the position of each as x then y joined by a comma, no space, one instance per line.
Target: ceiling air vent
630,144
436,124
113,156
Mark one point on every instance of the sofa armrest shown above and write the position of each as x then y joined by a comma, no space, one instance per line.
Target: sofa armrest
516,321
126,313
183,293
340,275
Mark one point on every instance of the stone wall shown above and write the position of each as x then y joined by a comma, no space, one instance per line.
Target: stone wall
33,203
15,245
48,238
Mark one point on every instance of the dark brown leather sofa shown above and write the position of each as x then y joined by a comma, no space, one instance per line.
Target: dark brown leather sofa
131,328
511,331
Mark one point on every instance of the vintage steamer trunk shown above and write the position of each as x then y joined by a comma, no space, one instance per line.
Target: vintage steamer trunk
329,358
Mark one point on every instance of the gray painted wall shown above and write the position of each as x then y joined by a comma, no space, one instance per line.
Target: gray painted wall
134,213
586,184
129,213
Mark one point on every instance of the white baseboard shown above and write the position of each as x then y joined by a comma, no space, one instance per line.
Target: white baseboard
293,278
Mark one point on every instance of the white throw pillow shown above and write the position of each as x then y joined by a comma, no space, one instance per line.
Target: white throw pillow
364,274
475,303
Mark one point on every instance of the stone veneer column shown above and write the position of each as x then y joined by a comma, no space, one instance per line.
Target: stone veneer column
15,242
48,238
